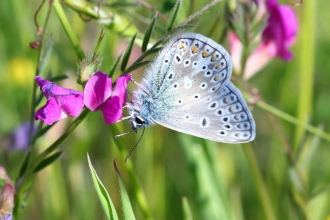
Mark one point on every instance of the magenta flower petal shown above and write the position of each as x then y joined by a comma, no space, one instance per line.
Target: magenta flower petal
49,113
120,88
112,110
281,29
61,102
97,91
72,104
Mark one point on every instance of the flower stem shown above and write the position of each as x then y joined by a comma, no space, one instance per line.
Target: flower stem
68,30
259,184
137,189
293,120
23,183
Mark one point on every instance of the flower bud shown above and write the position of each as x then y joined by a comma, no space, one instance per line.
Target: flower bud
87,67
6,196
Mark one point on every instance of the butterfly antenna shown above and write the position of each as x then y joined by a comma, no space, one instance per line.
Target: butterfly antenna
138,84
134,146
134,81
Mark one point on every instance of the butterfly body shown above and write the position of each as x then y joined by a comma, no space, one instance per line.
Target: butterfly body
188,89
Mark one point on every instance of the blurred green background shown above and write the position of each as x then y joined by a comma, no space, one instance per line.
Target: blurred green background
220,181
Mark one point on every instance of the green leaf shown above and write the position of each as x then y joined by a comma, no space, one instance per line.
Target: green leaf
148,33
47,161
152,51
174,14
127,53
126,205
186,209
114,65
58,78
181,28
24,164
102,193
45,56
45,129
136,66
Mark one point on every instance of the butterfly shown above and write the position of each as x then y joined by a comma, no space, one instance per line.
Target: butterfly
187,88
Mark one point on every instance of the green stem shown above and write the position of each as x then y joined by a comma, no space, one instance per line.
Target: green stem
23,183
260,186
68,30
138,192
32,137
293,120
306,67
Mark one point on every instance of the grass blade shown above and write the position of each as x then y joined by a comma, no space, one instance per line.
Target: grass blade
47,161
148,33
136,66
24,164
126,204
102,193
186,209
114,65
174,14
127,53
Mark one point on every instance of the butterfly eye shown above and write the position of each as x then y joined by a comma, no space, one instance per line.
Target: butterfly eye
139,120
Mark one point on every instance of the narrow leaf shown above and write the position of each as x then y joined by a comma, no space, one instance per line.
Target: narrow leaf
45,57
174,14
127,53
114,65
45,129
24,164
148,33
58,78
181,28
102,193
186,209
126,205
136,66
152,51
47,161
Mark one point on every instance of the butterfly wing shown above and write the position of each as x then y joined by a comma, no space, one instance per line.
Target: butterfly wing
223,117
190,84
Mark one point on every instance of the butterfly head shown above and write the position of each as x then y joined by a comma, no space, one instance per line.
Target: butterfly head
137,122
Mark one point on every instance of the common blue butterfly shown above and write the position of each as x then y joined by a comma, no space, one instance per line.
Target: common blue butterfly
187,88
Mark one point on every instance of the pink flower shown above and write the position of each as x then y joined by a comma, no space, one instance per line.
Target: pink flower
98,95
61,102
278,35
281,29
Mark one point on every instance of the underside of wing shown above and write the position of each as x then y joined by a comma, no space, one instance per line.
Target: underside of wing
224,117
